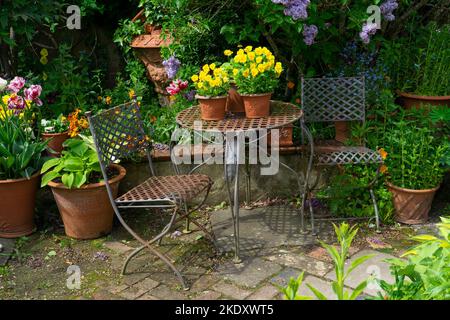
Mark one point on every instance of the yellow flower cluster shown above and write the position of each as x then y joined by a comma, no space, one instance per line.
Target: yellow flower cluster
255,62
210,76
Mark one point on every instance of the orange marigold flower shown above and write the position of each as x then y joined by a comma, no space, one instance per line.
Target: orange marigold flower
383,169
383,153
108,100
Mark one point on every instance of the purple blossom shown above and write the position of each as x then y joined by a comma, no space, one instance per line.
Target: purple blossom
172,65
310,34
387,9
33,93
368,29
297,9
16,84
190,96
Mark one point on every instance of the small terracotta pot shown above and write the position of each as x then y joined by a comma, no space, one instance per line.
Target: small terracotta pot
235,103
257,105
412,101
212,108
286,137
342,131
412,206
17,206
56,142
87,212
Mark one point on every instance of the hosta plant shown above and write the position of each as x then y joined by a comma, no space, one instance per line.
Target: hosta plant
77,166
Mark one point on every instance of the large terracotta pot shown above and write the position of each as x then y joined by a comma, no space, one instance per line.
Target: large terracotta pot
412,101
235,103
286,137
412,206
342,131
56,141
212,108
257,105
17,204
87,212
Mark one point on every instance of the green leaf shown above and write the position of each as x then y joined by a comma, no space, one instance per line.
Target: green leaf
73,164
358,290
68,179
358,262
50,164
317,293
49,176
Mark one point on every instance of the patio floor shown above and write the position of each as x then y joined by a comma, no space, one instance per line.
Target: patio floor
272,251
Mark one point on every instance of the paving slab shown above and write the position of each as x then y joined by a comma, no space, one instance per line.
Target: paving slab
165,293
208,295
232,291
302,262
6,249
376,266
118,247
267,292
323,286
282,279
249,274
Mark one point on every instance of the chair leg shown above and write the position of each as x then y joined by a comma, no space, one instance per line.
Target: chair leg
311,213
375,206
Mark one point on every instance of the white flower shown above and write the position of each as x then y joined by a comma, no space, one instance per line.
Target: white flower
3,84
44,122
49,129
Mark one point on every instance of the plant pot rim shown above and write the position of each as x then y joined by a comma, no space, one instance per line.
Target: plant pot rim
255,94
120,176
414,96
210,97
390,185
21,179
55,134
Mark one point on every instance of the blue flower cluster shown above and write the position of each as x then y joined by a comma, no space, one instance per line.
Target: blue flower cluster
310,34
172,65
387,9
297,9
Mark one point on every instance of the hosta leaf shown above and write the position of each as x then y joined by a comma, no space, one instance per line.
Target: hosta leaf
50,164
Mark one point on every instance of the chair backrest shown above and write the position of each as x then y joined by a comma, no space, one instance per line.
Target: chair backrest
118,133
333,99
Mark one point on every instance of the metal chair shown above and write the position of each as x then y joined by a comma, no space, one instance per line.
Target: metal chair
118,133
331,100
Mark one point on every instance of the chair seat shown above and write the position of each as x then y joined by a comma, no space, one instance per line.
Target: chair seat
332,154
183,187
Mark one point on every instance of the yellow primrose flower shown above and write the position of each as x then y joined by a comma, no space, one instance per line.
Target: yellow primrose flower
5,99
108,100
259,51
194,78
259,60
228,53
235,72
131,94
44,52
261,68
100,98
203,75
248,49
246,73
212,66
240,52
225,79
255,72
278,68
44,60
200,85
217,72
206,68
251,56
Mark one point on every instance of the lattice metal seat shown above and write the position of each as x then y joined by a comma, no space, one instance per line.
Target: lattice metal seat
185,187
118,133
332,100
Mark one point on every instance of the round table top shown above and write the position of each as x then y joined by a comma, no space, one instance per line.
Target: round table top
281,114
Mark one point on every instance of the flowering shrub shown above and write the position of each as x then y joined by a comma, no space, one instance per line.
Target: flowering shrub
255,71
212,81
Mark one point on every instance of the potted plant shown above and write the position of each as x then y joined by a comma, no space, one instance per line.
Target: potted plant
414,170
56,132
256,75
420,68
212,85
80,193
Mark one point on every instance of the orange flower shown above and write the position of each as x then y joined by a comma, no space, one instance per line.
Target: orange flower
383,169
108,100
76,124
383,153
291,85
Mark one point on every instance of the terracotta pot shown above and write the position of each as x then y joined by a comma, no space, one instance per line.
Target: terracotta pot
342,131
286,137
56,142
412,101
257,105
235,103
17,206
412,206
212,108
87,212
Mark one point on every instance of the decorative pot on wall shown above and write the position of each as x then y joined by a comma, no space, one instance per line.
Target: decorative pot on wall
148,49
412,101
56,142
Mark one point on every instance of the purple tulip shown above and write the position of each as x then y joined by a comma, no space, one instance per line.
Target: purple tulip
33,93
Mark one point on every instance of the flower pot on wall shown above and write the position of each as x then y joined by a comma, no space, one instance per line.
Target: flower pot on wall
412,206
212,108
17,206
257,105
56,142
286,136
342,131
87,212
412,101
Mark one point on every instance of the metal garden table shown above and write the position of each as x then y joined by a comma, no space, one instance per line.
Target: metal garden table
282,114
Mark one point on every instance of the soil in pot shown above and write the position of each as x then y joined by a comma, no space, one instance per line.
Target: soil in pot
257,105
56,142
412,101
87,212
18,199
412,206
212,109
